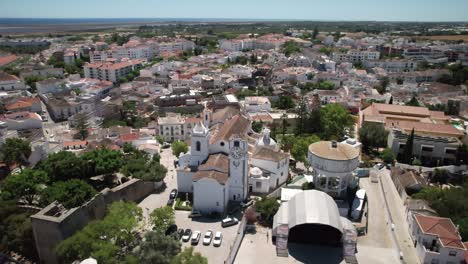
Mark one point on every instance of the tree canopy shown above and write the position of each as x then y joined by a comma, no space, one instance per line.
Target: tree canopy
284,102
24,186
162,218
107,240
64,165
189,257
373,135
179,147
335,120
16,151
70,194
103,160
267,207
158,248
300,147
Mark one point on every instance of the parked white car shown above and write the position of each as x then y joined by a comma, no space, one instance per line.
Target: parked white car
195,237
218,238
207,238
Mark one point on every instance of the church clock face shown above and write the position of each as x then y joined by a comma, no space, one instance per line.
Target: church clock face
237,153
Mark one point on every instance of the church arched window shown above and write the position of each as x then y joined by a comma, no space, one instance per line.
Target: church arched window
198,146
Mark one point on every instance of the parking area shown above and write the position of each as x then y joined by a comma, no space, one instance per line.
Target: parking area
215,255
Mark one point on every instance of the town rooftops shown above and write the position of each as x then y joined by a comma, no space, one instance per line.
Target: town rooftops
333,150
219,161
23,102
220,177
426,128
237,125
263,153
377,108
5,77
443,228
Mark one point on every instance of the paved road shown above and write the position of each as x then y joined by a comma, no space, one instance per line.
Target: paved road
397,210
378,234
158,200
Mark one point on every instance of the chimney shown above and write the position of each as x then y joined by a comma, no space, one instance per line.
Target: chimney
334,144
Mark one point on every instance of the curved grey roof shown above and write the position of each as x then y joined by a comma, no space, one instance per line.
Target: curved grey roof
309,207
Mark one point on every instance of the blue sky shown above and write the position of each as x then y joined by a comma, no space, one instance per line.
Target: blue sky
389,10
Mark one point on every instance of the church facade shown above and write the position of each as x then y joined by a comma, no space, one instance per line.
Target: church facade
227,160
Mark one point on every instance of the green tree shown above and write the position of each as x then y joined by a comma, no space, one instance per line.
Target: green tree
302,116
162,218
315,33
179,147
107,240
154,172
257,126
284,124
16,230
103,161
326,85
267,207
290,47
335,120
416,162
32,80
372,135
64,165
81,126
408,150
158,248
387,156
189,257
16,151
160,139
70,194
24,186
300,147
285,102
413,102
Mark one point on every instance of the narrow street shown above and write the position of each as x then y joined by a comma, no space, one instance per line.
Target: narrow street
157,200
397,211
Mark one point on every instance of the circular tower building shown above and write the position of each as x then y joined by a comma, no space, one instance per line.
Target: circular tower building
333,165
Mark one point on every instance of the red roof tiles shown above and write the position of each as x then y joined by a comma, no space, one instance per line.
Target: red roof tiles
443,228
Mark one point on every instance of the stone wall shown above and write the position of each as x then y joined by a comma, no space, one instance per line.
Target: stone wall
53,224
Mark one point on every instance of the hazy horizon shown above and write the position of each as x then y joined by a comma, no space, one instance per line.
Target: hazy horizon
276,10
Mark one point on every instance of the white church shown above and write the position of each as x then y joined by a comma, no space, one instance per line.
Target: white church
227,160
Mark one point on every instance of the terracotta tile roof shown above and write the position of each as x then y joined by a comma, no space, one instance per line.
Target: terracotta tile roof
220,177
269,154
192,120
225,113
5,77
18,105
236,125
425,128
401,109
220,161
7,59
260,117
129,137
443,228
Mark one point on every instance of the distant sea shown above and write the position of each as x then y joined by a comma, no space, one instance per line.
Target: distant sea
76,21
